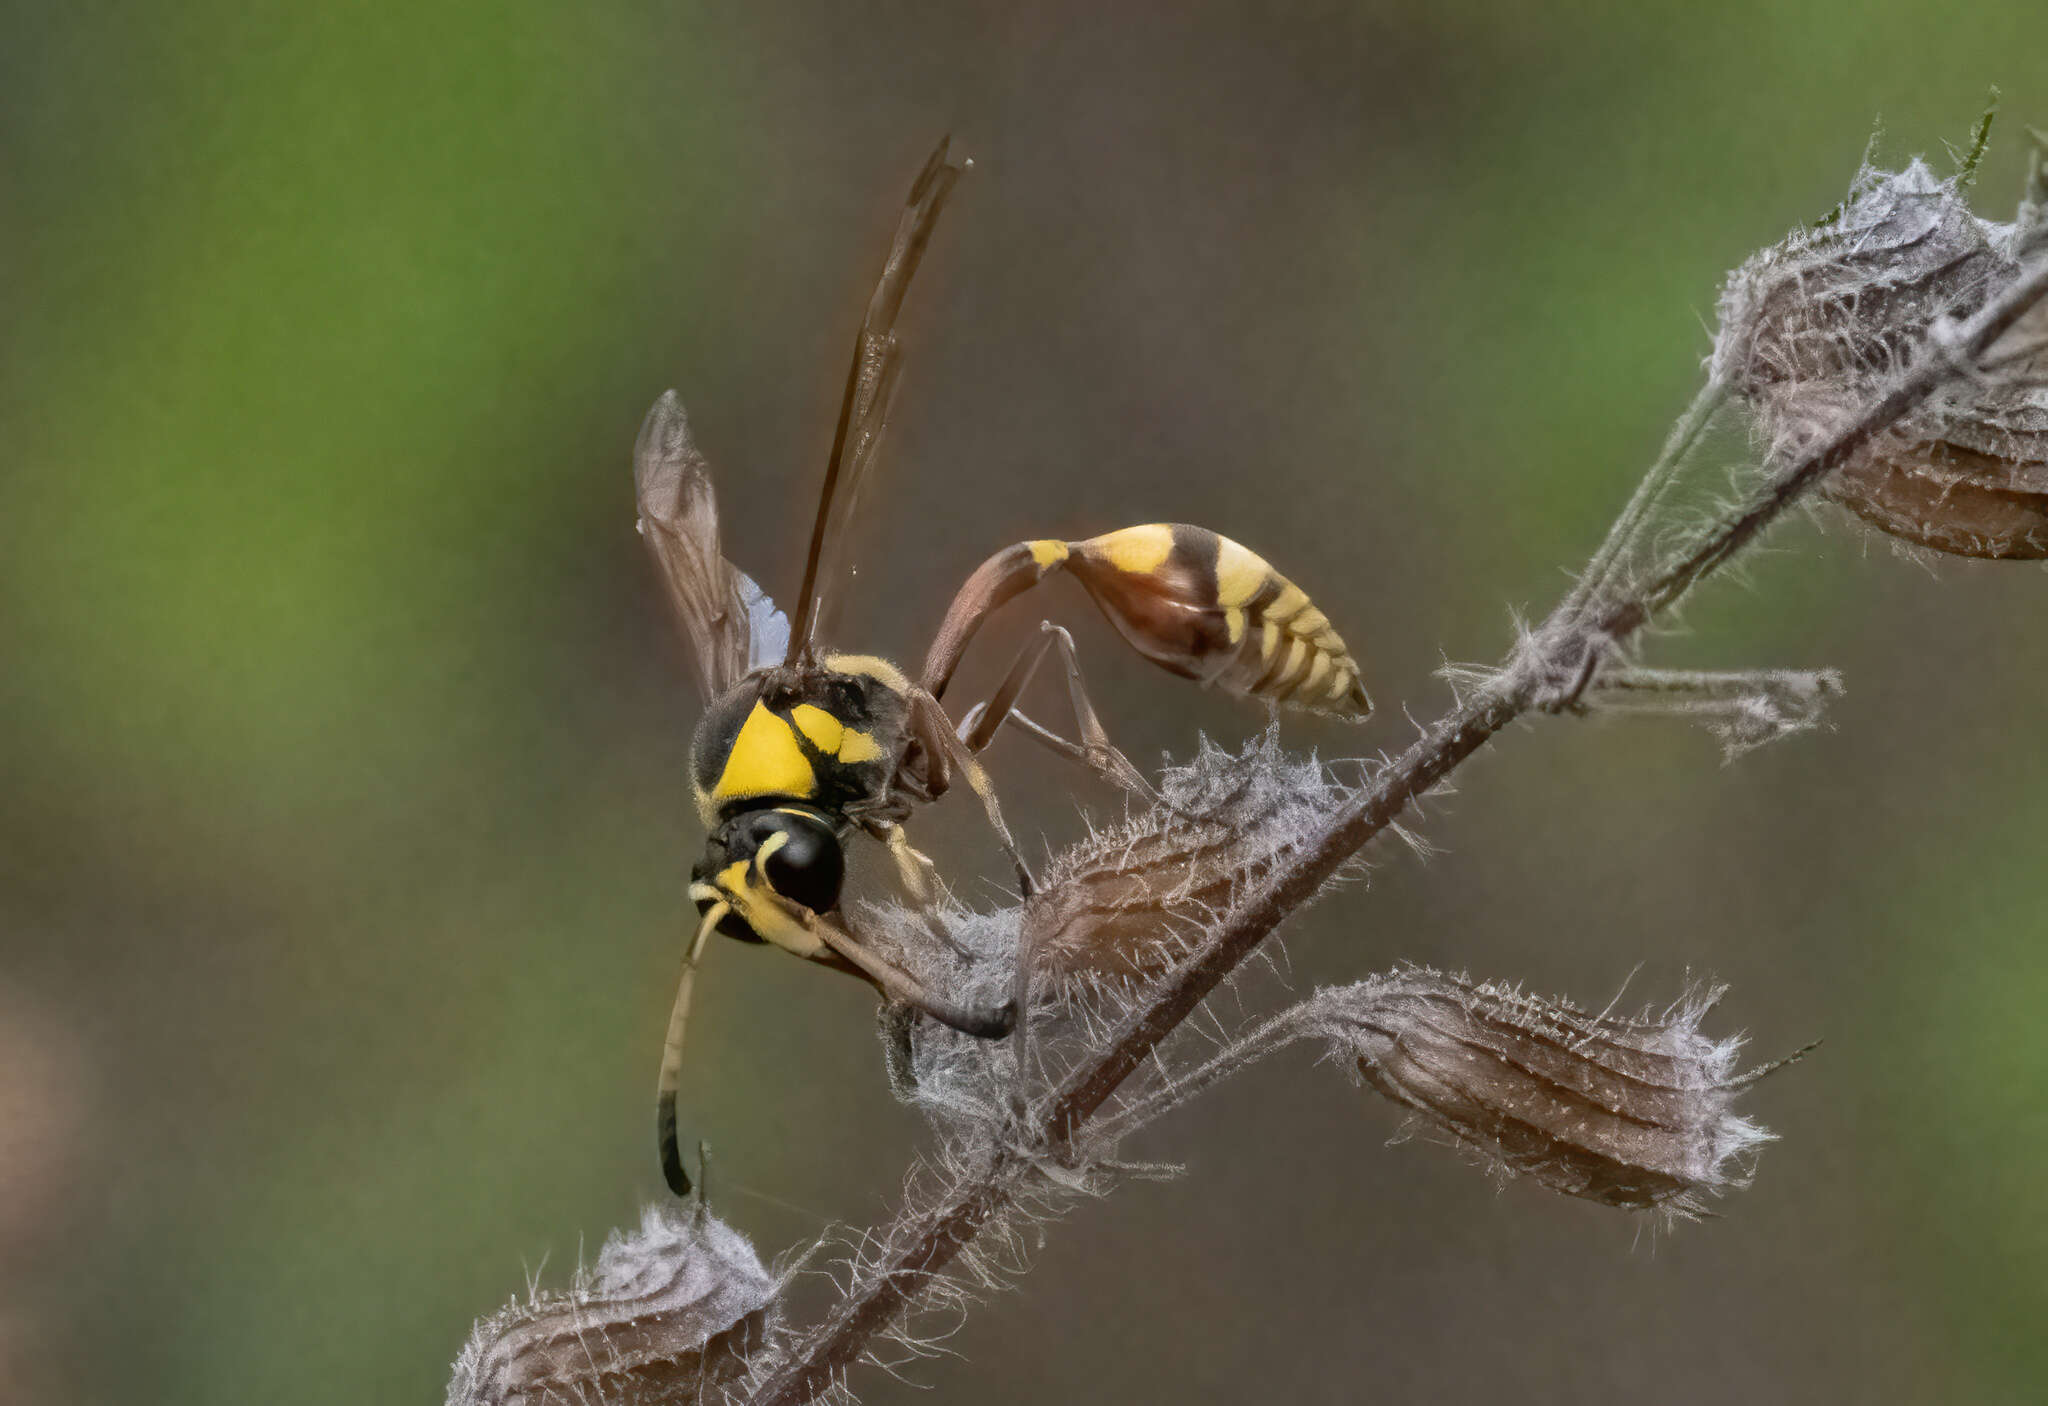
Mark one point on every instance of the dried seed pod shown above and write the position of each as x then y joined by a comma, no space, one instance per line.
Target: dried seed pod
1941,495
667,1310
1630,1113
1126,901
1816,326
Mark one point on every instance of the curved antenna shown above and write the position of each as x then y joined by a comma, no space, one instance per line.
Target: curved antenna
870,385
671,1076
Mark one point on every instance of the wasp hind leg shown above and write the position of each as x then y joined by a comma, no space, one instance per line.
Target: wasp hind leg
1094,750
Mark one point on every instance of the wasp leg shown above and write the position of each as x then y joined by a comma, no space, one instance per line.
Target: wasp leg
899,985
920,878
914,867
1094,750
672,1056
943,750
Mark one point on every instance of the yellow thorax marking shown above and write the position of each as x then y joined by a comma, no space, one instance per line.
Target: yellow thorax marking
833,737
871,666
1138,550
1048,552
765,761
825,731
857,746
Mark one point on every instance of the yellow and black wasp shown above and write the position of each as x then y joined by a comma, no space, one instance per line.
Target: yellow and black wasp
799,748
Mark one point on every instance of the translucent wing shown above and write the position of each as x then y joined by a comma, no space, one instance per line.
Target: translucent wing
870,387
732,625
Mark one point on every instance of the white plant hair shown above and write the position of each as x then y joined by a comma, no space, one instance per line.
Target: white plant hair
1898,322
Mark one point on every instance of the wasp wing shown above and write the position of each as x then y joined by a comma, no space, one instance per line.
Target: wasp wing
732,625
870,388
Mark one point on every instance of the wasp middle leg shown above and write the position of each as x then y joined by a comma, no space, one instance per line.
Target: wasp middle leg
1094,750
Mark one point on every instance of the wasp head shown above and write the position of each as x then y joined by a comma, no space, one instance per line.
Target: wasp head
792,851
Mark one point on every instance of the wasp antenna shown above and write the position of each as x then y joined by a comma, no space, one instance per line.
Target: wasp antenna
671,1075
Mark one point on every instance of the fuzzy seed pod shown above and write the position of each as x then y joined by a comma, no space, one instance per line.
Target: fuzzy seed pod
666,1311
1630,1113
1126,901
1816,326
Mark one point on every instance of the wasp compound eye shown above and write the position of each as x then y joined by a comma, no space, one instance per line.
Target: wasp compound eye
807,866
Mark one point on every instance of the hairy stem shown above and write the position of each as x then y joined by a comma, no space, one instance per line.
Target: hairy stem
919,1246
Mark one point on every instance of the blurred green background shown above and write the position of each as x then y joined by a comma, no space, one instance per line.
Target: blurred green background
342,730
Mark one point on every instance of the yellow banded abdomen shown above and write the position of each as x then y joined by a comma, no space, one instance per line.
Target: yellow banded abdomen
1204,607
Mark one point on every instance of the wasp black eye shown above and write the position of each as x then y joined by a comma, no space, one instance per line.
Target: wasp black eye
808,867
805,863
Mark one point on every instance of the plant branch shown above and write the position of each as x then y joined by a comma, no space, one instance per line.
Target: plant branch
1593,621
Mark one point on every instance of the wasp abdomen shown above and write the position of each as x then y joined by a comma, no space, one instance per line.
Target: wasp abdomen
1204,607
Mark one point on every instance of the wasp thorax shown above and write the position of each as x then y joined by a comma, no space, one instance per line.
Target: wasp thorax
793,850
1816,326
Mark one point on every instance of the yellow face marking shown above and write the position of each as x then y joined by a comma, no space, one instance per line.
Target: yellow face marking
1138,550
707,808
1233,623
871,666
1240,573
1047,552
768,846
765,761
768,919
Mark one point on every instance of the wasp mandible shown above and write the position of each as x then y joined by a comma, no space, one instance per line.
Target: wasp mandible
799,748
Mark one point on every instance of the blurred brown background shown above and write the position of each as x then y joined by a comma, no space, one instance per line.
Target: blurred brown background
342,731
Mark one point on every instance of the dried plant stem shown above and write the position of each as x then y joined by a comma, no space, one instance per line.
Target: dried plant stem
1590,623
1685,434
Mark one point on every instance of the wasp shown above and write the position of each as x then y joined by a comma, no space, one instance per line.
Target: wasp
800,749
